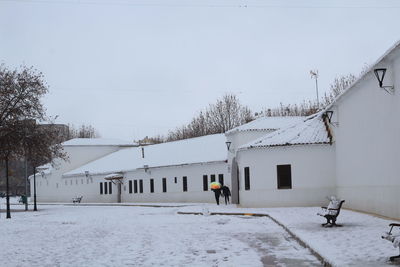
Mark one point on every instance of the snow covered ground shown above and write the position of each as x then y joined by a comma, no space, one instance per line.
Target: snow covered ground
357,243
149,236
143,236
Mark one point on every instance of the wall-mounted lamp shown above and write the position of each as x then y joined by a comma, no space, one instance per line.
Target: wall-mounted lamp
228,145
328,114
380,75
146,169
87,174
43,174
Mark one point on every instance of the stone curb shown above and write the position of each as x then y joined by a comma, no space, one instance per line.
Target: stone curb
324,261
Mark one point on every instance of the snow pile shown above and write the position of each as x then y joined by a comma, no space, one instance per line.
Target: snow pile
97,142
311,130
210,148
267,123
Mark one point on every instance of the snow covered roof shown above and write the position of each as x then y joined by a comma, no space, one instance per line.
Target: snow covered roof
210,148
97,142
267,123
310,130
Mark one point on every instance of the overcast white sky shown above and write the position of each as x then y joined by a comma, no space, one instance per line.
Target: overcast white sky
136,68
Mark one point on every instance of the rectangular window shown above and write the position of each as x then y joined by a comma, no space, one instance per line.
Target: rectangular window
135,186
176,179
284,173
184,183
212,178
221,179
164,185
101,188
130,186
105,188
205,183
246,178
110,187
151,185
140,186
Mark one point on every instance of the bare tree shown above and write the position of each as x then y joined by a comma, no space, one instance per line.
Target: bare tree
337,87
20,107
83,131
220,117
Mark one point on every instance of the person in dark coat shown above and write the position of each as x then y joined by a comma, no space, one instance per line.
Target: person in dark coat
227,193
217,193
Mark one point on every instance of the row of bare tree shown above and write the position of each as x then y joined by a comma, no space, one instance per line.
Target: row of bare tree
218,117
21,110
305,108
228,113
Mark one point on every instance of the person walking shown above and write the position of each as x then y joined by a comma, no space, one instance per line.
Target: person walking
227,193
217,193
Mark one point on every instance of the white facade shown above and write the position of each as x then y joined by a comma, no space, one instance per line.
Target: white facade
50,186
312,176
367,132
174,183
355,156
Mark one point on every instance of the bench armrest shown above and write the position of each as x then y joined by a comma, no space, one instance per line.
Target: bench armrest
394,224
324,208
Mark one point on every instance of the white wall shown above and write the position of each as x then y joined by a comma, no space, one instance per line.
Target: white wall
52,187
368,144
313,176
194,173
89,188
237,139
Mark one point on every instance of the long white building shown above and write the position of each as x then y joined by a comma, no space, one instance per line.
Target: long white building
351,149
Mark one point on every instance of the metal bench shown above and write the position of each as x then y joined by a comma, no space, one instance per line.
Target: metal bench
331,216
393,238
77,199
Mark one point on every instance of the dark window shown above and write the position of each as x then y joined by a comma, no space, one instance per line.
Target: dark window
164,185
221,179
135,186
184,183
212,178
101,188
176,180
105,188
141,186
284,176
151,185
205,183
246,178
130,186
110,187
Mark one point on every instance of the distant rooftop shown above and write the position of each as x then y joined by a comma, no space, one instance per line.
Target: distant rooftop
97,142
210,148
310,130
267,123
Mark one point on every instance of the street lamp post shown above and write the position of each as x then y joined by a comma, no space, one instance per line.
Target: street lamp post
26,184
7,192
34,189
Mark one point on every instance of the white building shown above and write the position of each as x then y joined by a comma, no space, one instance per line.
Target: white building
293,166
248,132
179,171
366,127
361,166
50,186
351,149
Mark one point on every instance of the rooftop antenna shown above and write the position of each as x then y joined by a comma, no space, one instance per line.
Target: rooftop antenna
314,75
